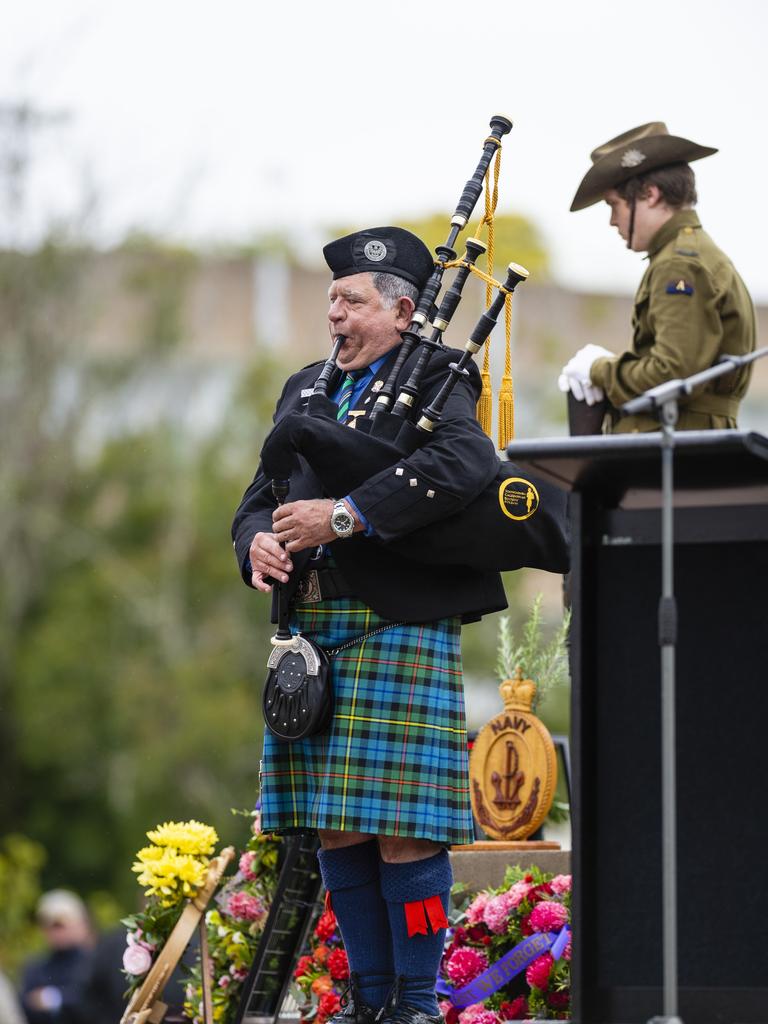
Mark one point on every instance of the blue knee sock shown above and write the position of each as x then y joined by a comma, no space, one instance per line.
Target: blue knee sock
415,892
351,876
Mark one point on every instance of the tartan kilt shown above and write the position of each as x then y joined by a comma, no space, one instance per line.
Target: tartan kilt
394,761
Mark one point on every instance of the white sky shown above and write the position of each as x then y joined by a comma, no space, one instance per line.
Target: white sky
216,121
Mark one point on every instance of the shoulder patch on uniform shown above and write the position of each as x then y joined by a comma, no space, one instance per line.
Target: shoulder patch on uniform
680,287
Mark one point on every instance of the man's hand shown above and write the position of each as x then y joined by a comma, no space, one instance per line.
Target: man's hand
304,524
575,375
268,559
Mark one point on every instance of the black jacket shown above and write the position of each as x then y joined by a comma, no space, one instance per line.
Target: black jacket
438,479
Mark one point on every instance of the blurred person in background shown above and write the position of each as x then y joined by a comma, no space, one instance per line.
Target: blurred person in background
691,306
52,983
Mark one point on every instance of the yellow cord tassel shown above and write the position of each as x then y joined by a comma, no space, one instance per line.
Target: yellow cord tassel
506,391
506,411
485,403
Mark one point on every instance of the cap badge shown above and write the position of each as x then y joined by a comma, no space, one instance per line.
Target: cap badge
375,251
632,158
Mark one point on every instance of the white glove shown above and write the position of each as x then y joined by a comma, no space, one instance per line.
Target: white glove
575,374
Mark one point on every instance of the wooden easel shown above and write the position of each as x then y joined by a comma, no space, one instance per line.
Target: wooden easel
146,1004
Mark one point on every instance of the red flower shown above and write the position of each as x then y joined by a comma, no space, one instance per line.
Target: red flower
326,926
459,935
304,965
487,940
539,892
328,1005
525,925
477,932
452,1017
559,1000
338,965
528,878
516,1010
537,975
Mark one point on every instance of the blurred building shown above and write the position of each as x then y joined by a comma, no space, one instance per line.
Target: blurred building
209,315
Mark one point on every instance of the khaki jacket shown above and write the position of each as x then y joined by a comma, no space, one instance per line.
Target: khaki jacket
690,308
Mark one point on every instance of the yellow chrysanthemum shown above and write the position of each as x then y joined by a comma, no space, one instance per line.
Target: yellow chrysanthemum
171,876
191,837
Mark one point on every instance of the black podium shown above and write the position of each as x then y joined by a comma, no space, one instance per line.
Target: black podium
721,583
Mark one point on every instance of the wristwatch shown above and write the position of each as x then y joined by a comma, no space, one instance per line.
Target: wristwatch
342,522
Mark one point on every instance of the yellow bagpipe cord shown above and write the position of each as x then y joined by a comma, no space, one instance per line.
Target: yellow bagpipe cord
506,394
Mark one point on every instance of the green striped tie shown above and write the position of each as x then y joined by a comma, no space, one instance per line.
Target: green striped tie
345,395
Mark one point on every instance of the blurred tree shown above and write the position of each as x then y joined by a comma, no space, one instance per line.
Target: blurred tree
40,308
137,680
21,861
516,240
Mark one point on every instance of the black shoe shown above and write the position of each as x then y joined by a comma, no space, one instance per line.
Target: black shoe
394,1012
353,1009
411,1015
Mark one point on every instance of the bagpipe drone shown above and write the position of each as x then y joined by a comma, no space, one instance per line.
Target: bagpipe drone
517,520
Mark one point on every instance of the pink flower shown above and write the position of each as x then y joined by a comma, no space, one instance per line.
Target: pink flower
476,908
245,907
518,892
238,973
496,913
537,975
246,866
256,824
224,981
464,965
477,1014
137,959
548,916
444,1005
561,884
567,951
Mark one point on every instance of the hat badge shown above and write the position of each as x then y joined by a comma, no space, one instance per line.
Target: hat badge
375,251
632,158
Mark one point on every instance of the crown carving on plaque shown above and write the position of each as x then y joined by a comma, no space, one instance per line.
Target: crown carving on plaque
517,692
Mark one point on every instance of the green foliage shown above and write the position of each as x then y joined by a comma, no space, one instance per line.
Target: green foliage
160,276
516,240
21,861
135,670
545,663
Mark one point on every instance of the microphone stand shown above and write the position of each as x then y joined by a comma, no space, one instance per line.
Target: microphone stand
662,402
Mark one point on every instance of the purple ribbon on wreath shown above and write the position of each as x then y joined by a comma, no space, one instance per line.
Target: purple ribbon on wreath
508,967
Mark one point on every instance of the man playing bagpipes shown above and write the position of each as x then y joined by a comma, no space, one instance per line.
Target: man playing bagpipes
386,786
378,543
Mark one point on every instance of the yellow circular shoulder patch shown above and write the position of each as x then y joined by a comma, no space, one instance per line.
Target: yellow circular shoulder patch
518,498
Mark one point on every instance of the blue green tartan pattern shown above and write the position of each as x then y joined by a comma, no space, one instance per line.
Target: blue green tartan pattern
394,761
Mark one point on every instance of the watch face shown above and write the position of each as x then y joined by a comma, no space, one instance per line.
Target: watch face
342,522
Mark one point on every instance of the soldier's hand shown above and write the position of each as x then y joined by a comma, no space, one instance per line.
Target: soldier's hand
268,559
304,524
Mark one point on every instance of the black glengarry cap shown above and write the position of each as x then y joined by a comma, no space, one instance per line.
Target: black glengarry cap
384,250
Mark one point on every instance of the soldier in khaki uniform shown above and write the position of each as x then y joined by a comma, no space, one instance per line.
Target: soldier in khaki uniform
691,306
